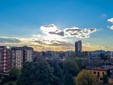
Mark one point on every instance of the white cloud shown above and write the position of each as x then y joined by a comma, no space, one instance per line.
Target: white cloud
52,30
8,40
111,27
51,36
111,21
48,28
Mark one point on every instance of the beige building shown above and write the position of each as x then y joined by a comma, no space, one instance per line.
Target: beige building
99,73
20,55
17,58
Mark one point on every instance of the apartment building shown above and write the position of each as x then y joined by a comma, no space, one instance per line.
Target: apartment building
99,72
5,59
20,55
17,57
27,54
78,46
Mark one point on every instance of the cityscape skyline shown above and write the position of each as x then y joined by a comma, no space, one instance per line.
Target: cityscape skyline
57,25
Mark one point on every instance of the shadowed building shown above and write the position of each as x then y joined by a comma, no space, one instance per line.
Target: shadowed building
78,46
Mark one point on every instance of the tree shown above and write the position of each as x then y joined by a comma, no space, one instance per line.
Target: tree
14,74
48,72
72,67
86,78
10,84
105,79
69,80
39,73
104,57
58,72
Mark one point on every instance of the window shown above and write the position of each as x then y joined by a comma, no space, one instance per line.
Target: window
98,74
4,64
103,73
4,61
4,57
94,72
101,78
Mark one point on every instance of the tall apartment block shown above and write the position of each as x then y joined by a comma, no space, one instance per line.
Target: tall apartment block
17,57
78,46
21,55
27,54
5,59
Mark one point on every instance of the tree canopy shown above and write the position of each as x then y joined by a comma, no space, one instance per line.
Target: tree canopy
39,73
86,78
48,72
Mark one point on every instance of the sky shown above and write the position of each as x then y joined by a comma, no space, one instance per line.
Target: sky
57,24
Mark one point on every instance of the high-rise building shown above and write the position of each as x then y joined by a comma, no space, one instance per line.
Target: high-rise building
27,54
14,57
21,55
78,46
17,57
5,59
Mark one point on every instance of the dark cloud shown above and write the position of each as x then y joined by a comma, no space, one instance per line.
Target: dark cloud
9,40
79,33
57,32
61,43
53,43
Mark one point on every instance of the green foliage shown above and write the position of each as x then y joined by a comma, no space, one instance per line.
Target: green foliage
69,80
78,60
104,57
72,67
80,55
58,72
86,78
105,79
39,73
10,83
14,74
62,72
49,72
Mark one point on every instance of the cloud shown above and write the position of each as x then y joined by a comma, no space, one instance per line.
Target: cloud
68,32
110,27
104,15
48,28
57,32
53,43
51,37
111,21
61,43
9,40
92,47
78,32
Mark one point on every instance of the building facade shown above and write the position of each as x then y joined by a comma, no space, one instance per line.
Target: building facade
5,59
78,46
27,54
20,55
17,57
99,73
